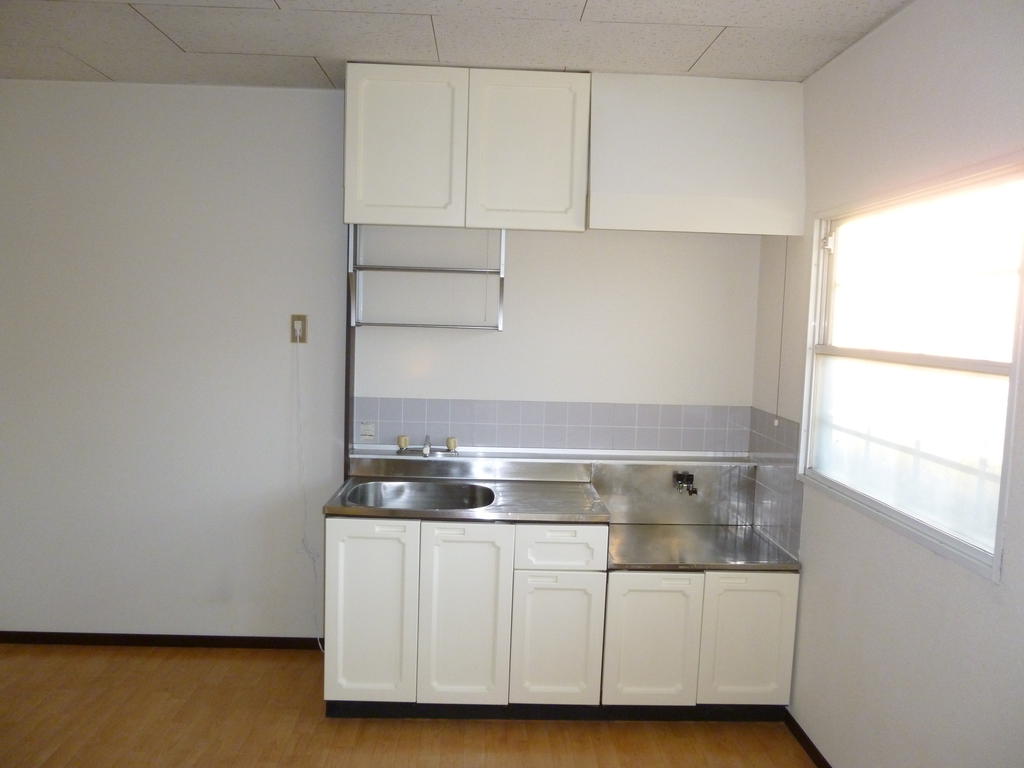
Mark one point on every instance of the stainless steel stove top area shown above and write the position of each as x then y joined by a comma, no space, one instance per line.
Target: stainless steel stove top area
694,548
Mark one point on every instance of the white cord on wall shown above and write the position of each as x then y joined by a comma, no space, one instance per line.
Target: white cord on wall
301,465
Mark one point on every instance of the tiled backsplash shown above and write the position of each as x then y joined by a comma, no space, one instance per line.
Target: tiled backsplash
572,425
778,495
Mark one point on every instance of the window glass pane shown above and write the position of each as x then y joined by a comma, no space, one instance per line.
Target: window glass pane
935,277
926,441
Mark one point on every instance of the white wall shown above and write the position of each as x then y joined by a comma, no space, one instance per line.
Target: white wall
641,317
904,658
155,241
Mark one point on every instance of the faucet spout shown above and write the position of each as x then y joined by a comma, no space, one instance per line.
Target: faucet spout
426,445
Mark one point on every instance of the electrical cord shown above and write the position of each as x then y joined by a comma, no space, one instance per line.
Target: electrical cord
301,467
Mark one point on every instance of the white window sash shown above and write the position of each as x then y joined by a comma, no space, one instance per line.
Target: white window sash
947,545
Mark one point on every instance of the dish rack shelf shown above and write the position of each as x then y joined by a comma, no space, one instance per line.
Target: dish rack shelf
357,292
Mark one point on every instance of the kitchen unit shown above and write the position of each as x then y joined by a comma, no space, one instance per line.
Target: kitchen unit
496,591
501,620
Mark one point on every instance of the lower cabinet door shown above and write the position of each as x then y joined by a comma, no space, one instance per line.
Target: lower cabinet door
371,583
652,638
465,616
746,653
557,630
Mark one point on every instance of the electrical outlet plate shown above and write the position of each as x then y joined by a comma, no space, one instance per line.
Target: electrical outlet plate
367,430
299,329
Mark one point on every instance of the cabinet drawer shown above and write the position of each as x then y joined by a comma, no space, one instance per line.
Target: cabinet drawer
561,547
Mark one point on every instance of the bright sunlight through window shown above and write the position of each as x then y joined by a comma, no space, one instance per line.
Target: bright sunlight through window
916,328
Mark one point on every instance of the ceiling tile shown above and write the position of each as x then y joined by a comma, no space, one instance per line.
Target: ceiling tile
122,45
44,63
514,9
554,44
768,54
221,3
217,69
380,36
78,27
850,17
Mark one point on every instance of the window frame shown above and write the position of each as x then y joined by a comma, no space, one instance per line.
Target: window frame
945,544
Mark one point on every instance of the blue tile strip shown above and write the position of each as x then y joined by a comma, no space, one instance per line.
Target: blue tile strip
572,425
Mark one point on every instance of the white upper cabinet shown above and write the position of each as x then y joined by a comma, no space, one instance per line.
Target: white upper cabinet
409,132
405,145
692,154
527,159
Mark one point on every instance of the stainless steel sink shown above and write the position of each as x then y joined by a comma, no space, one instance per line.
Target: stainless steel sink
419,494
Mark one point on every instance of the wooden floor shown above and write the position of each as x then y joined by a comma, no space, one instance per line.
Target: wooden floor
124,706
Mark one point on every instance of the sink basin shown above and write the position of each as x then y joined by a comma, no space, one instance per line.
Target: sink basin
419,494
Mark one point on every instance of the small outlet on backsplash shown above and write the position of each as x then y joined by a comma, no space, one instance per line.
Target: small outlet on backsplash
367,431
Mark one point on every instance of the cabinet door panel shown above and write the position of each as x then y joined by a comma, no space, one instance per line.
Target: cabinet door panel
372,579
528,149
465,613
405,145
696,154
557,633
747,638
561,547
652,638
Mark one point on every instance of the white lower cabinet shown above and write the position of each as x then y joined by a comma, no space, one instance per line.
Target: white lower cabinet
426,612
652,638
557,632
746,651
371,586
465,613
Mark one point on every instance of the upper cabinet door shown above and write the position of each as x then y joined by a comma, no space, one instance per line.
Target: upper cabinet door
694,154
528,134
405,145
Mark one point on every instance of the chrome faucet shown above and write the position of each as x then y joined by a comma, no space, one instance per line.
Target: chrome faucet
684,482
426,445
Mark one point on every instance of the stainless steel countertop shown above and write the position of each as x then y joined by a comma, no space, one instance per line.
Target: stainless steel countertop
514,501
694,548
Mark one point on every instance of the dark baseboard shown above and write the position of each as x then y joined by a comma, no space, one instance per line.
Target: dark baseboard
805,741
390,709
177,641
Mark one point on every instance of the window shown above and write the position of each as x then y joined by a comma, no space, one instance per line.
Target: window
914,351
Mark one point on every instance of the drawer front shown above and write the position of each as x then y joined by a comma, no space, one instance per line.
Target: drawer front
558,547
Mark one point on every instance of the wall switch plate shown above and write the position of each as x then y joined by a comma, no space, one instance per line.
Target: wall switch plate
367,430
299,329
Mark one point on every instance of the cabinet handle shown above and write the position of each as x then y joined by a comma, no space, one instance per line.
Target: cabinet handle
670,581
389,529
732,579
557,533
541,579
451,532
